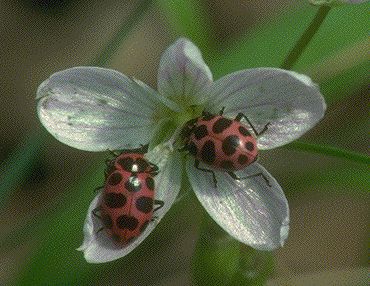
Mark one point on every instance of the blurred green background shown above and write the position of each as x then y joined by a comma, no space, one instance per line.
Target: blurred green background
46,187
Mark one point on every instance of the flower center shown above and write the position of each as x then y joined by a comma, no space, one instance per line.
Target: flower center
190,112
175,121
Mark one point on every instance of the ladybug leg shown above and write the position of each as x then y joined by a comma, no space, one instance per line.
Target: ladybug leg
95,212
235,177
183,148
143,148
241,115
196,165
264,129
99,230
222,111
154,219
154,169
159,203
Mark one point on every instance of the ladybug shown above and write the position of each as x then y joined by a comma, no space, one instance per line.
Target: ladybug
127,204
223,143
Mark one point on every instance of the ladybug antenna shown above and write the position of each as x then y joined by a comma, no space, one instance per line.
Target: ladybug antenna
144,148
113,153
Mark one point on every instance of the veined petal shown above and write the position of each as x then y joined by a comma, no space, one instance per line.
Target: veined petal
183,74
250,210
96,109
289,101
98,247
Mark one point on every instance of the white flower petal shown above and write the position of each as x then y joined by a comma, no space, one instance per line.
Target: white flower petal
249,210
183,74
99,247
289,101
96,109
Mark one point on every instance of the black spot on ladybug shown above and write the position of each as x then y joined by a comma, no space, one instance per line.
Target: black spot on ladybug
192,148
127,222
200,132
244,131
142,164
107,221
144,226
207,116
115,200
126,163
221,124
116,238
230,144
242,159
144,204
150,183
208,153
115,179
227,165
133,184
249,146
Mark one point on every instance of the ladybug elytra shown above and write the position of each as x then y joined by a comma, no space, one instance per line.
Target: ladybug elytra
127,203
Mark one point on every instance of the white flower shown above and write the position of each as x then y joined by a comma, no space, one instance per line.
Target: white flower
336,2
96,109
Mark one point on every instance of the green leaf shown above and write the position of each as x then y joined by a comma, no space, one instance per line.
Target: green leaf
265,45
59,235
115,43
221,260
255,267
329,151
341,179
268,44
216,257
19,165
346,83
189,19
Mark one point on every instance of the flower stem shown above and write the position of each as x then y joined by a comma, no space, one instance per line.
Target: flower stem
329,150
114,44
305,39
19,165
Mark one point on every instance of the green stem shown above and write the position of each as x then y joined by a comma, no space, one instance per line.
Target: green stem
329,151
19,165
115,43
305,39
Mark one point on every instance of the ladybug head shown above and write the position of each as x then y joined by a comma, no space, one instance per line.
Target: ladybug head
188,128
207,115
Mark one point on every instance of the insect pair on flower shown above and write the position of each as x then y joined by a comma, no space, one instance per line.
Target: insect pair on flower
96,109
126,207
